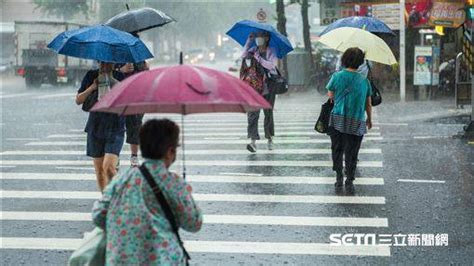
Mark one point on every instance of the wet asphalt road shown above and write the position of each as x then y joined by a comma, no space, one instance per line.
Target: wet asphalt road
416,177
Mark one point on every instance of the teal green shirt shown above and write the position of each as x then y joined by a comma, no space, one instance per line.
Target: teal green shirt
348,114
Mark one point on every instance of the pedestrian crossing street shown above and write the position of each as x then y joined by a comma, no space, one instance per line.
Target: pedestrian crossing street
269,207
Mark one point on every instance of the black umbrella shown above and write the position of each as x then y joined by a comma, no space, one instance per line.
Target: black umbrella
139,20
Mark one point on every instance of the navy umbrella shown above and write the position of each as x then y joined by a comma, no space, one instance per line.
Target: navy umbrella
101,43
241,31
370,24
139,20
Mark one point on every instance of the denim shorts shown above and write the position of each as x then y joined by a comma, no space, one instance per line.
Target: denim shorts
133,124
112,143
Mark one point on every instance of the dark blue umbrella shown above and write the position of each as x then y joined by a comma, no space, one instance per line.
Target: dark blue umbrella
101,43
241,31
370,24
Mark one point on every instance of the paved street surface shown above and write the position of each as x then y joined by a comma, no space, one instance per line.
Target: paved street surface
270,208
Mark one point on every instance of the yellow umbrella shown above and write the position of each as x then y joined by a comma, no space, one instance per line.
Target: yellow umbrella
374,47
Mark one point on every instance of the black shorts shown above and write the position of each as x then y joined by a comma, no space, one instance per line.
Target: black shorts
133,124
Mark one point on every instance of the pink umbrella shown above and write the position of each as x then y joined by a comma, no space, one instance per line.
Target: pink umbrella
182,89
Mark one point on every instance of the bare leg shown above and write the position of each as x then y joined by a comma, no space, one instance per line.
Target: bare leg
134,148
99,173
109,166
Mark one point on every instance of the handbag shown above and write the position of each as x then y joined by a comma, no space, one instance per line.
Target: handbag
376,97
90,101
251,75
277,83
91,251
166,208
322,124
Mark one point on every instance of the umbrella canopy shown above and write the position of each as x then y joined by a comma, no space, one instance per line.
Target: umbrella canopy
139,20
101,43
367,23
241,31
374,47
181,89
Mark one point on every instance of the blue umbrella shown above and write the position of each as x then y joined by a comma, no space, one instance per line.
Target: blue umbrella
101,43
370,24
241,31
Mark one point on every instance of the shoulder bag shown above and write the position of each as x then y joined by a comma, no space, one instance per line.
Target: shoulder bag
91,251
277,83
166,208
322,124
376,97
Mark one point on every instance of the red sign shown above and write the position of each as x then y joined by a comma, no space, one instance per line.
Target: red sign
418,13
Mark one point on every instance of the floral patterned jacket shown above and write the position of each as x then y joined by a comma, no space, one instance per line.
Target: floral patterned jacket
137,230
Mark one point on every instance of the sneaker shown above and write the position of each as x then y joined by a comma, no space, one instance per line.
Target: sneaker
252,147
270,144
134,162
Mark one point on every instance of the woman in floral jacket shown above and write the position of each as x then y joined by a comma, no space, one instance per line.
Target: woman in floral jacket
138,232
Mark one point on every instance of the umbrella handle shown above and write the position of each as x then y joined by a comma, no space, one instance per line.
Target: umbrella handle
128,8
180,58
182,142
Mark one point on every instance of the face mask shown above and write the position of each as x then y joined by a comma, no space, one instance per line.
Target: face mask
260,41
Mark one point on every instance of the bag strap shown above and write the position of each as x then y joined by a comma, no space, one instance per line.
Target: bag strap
346,91
164,205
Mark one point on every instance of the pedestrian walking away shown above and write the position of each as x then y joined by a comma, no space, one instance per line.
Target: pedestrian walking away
133,122
348,123
258,62
141,223
105,131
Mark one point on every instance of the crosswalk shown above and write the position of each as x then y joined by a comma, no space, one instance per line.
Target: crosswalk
254,204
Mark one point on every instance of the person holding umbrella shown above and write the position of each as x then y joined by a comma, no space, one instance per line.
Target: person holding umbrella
265,61
135,21
105,132
133,122
263,46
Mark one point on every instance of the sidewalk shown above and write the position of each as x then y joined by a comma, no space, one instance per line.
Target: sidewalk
394,111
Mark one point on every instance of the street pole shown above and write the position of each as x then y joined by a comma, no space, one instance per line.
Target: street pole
402,52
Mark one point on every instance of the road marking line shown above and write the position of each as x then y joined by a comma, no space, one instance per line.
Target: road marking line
229,178
15,95
58,95
213,134
204,142
227,129
75,168
431,137
27,194
215,219
22,139
391,124
241,174
194,152
275,163
197,246
421,181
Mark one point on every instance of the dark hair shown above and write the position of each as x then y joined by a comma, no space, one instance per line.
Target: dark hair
352,58
157,136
